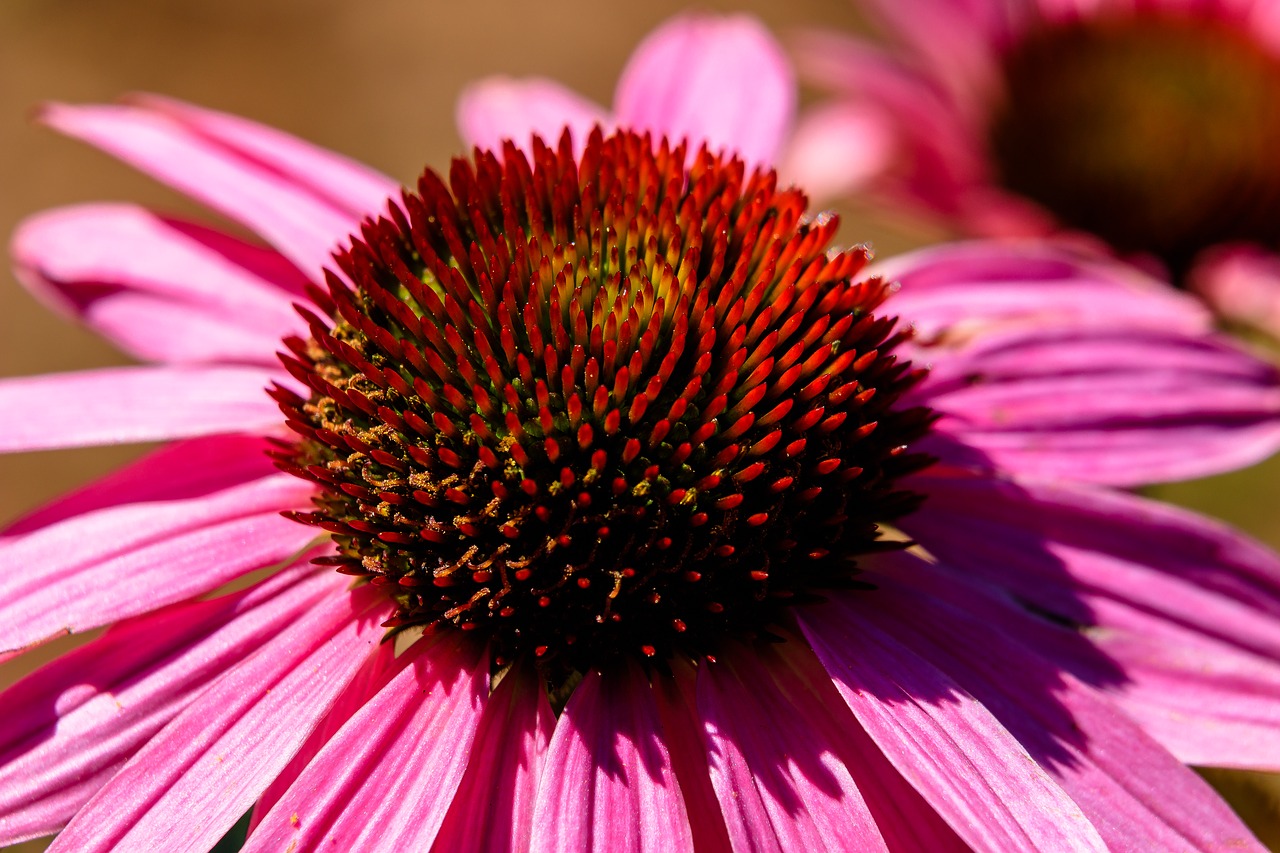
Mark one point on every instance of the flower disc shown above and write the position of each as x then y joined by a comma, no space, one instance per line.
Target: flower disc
597,406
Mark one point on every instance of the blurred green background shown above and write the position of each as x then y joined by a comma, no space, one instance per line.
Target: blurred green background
375,79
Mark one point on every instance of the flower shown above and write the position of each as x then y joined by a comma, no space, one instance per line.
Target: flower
784,672
1150,125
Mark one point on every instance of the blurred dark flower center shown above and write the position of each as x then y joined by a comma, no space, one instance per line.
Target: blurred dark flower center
601,406
1159,133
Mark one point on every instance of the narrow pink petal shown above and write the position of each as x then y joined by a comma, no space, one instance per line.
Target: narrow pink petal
837,149
121,405
1112,405
1242,283
775,765
386,779
160,289
956,290
73,723
184,469
303,224
953,751
342,182
206,767
1137,795
720,80
607,781
496,109
493,808
121,561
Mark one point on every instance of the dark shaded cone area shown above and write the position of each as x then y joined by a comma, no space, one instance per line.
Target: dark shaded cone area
601,405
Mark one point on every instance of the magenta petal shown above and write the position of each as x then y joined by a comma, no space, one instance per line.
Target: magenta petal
1118,406
775,765
161,289
1242,283
120,405
72,724
497,109
720,80
607,782
837,149
493,808
385,781
121,561
303,223
955,753
206,767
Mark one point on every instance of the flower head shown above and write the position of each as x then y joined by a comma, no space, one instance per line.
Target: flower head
460,403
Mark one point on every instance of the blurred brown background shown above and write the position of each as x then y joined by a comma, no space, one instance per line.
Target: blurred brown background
375,79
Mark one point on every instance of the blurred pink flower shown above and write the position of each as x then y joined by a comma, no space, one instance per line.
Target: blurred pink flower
1153,125
1033,676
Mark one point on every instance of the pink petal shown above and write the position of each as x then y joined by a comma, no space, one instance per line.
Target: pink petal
775,761
206,767
607,782
957,290
343,183
73,723
1136,795
298,218
1120,406
722,80
120,405
386,779
837,149
496,109
121,561
493,809
969,768
1242,283
161,289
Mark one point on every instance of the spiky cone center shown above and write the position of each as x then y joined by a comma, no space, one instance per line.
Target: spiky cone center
600,406
1157,131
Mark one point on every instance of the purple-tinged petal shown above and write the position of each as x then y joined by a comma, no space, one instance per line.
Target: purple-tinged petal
837,149
951,749
122,405
304,224
385,781
343,183
206,767
1111,405
160,289
776,762
184,469
73,723
1137,795
956,290
1242,283
121,561
493,808
607,781
499,108
720,80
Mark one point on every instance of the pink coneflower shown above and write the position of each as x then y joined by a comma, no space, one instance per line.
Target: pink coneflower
1153,125
626,457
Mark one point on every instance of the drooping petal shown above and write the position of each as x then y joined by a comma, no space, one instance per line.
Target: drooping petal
1242,283
607,782
953,751
775,763
500,108
837,149
298,218
385,781
723,80
73,723
121,561
1111,405
121,405
160,289
206,767
493,808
